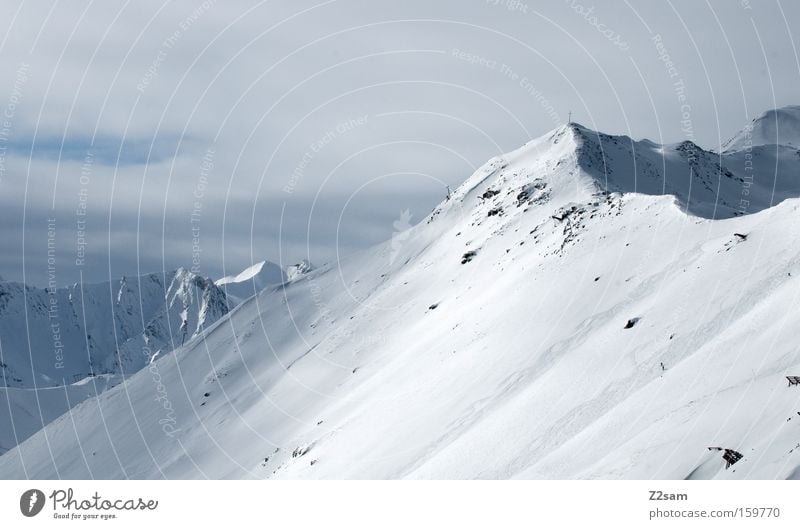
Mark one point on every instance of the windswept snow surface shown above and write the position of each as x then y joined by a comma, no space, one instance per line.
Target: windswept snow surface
492,343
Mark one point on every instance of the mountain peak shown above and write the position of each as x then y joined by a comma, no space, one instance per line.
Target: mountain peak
574,163
251,280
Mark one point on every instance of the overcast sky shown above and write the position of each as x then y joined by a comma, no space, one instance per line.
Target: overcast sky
293,129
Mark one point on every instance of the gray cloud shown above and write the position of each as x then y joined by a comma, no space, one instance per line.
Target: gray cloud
379,103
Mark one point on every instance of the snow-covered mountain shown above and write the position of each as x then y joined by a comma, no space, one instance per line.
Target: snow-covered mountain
587,306
53,337
251,281
63,345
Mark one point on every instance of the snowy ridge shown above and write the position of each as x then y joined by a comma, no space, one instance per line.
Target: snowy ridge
703,183
561,315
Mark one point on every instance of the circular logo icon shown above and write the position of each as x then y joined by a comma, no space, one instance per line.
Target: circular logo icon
31,502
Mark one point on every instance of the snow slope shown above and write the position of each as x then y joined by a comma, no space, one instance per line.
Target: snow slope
25,411
572,311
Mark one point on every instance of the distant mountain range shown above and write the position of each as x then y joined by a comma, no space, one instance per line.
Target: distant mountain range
58,347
